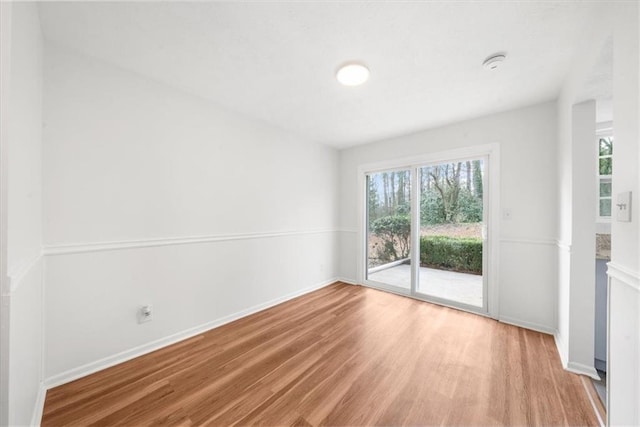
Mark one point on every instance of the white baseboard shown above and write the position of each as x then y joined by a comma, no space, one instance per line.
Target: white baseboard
574,367
347,281
579,368
560,346
527,325
38,408
107,362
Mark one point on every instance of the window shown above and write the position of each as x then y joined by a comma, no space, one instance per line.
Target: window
605,167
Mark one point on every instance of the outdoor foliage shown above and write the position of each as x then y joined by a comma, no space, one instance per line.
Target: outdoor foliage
389,194
394,231
605,152
467,209
449,193
451,253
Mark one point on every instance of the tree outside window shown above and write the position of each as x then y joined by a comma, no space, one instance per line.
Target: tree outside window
605,169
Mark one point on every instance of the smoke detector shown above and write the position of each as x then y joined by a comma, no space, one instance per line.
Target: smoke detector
494,61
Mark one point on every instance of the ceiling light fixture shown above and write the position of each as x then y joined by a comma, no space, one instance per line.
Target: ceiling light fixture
494,61
352,74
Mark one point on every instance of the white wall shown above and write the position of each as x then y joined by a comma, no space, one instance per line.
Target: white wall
26,392
24,215
527,139
581,357
5,286
577,206
623,374
156,196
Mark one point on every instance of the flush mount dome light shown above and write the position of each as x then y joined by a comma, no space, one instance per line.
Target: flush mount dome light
494,61
352,74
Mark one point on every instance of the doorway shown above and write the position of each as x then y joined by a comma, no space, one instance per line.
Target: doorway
426,230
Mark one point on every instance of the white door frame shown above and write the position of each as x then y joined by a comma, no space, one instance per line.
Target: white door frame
5,294
491,205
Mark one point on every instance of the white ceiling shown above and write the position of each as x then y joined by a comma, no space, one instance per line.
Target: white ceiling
275,61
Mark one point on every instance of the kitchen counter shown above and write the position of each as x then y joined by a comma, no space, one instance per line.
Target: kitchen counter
603,246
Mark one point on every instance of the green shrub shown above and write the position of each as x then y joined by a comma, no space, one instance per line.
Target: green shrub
395,231
451,253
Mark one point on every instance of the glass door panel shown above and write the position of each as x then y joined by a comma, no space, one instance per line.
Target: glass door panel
452,224
389,228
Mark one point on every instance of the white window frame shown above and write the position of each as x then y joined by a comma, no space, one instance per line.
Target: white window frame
603,130
492,206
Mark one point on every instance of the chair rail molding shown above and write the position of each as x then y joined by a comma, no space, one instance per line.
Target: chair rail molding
627,276
23,267
529,241
564,245
74,248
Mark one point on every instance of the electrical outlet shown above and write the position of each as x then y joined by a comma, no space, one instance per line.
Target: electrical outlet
145,313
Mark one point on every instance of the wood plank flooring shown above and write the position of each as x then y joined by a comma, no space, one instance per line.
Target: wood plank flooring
343,355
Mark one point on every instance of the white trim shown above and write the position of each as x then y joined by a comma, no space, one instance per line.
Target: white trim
52,250
348,230
579,368
361,235
17,274
38,408
627,276
604,128
527,325
109,361
388,265
565,246
415,230
560,347
5,103
574,367
493,234
348,281
492,183
608,387
43,327
528,241
5,328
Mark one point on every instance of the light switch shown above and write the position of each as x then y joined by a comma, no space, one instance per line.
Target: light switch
623,207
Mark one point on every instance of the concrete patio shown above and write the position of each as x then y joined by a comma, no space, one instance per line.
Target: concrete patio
450,285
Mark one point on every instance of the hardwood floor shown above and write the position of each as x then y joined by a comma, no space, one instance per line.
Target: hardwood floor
344,355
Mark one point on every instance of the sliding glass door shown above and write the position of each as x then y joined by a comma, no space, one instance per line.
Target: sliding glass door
431,242
389,228
452,221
